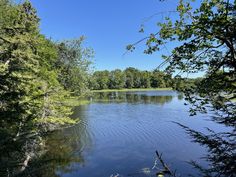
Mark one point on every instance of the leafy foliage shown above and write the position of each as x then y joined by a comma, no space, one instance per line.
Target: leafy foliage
32,89
130,78
73,64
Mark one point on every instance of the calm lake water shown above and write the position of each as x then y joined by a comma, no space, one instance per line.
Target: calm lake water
119,134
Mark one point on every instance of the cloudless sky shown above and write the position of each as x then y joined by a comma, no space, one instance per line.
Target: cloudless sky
109,26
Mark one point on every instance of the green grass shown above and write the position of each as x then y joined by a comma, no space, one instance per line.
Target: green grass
73,101
130,90
233,100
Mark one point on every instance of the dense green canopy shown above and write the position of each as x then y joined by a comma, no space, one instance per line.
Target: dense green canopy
132,78
34,77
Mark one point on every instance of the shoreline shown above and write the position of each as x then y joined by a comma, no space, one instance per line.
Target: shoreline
131,90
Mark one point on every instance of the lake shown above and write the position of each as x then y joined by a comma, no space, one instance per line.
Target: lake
119,133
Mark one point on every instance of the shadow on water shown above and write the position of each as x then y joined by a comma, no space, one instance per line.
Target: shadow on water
60,151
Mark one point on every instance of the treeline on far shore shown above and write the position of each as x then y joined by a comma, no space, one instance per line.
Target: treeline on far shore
134,78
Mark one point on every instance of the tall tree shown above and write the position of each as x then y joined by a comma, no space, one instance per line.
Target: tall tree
117,79
145,79
31,98
129,78
101,80
73,63
136,76
157,79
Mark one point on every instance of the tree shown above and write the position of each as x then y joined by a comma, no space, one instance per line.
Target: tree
117,79
179,83
157,79
136,77
129,81
101,80
206,38
145,79
31,98
73,64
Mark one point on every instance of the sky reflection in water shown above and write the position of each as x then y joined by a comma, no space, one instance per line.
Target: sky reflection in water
119,133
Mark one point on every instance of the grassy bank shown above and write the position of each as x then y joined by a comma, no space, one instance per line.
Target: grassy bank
130,90
76,101
73,101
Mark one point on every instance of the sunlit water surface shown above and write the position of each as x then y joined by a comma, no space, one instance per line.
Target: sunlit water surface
119,134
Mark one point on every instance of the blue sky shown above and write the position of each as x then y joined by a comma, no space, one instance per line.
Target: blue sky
109,26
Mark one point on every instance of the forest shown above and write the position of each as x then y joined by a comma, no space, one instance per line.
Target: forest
38,76
134,78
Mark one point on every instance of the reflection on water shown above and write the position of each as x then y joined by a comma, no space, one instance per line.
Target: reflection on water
160,97
61,150
119,133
